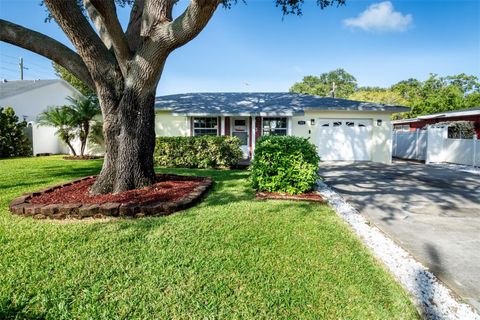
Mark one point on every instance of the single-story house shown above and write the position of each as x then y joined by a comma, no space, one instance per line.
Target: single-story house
29,98
472,114
341,129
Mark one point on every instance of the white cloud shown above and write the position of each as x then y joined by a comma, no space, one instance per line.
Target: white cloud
381,17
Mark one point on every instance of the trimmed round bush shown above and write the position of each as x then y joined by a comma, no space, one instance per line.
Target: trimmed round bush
197,152
284,164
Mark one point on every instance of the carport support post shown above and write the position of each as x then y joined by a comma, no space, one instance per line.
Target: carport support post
416,143
475,139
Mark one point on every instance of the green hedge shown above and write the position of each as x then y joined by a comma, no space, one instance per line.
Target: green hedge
284,164
197,152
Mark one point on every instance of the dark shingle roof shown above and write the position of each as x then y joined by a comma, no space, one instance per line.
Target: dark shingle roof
12,88
261,103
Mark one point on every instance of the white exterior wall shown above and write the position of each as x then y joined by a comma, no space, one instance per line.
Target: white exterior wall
381,142
167,125
28,105
34,102
45,141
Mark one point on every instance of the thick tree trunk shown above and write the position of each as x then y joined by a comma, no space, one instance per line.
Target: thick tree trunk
129,135
136,142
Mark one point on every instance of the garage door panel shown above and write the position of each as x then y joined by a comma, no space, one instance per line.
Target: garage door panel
345,139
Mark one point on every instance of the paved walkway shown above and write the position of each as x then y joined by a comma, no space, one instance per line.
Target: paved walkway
432,212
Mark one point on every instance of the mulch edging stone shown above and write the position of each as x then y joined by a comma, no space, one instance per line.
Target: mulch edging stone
22,205
312,196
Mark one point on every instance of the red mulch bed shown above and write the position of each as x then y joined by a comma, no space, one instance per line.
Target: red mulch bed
310,196
168,188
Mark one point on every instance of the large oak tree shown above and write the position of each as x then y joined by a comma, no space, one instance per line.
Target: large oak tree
124,68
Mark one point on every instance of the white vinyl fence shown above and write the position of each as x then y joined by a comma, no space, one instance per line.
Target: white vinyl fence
434,146
410,145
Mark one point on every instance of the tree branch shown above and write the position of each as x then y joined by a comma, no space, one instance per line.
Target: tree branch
100,62
47,47
99,25
134,25
191,22
104,15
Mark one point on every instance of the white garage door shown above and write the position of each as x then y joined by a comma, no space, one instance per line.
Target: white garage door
345,139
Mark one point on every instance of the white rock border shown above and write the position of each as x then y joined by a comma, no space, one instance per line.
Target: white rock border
432,298
457,167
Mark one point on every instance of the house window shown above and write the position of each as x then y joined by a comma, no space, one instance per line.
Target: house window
205,126
275,126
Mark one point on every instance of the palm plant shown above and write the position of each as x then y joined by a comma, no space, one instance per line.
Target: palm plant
63,119
84,109
96,134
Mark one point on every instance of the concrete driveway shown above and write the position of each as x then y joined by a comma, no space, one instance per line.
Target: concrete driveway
432,212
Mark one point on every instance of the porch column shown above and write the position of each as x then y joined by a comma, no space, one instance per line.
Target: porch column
289,126
253,134
222,126
227,126
190,126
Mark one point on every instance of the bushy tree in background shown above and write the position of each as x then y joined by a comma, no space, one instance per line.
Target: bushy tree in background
378,95
436,94
78,84
439,94
13,140
345,84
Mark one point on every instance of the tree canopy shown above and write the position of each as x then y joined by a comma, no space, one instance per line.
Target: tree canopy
78,84
124,67
345,84
378,95
436,94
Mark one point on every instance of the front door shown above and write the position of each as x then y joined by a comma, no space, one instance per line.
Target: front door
240,129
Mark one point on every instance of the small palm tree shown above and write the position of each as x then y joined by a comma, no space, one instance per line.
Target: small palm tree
96,134
84,109
63,119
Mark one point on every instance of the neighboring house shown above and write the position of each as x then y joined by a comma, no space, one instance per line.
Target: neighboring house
420,122
31,97
341,129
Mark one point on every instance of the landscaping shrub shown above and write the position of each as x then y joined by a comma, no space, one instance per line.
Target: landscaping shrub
284,164
461,129
13,140
197,152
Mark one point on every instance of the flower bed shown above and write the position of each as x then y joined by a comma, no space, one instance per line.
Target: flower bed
169,194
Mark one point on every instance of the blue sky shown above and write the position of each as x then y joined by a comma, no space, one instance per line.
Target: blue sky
251,48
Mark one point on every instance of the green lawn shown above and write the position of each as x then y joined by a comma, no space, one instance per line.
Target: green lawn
230,257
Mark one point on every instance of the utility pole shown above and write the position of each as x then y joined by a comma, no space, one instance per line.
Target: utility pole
22,68
332,92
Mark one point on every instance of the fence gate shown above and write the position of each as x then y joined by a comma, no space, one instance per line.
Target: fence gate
28,132
410,144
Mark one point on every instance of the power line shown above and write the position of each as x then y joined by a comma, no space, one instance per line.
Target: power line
15,62
6,55
2,67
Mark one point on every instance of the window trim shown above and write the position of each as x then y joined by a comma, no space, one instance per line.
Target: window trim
285,129
206,129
